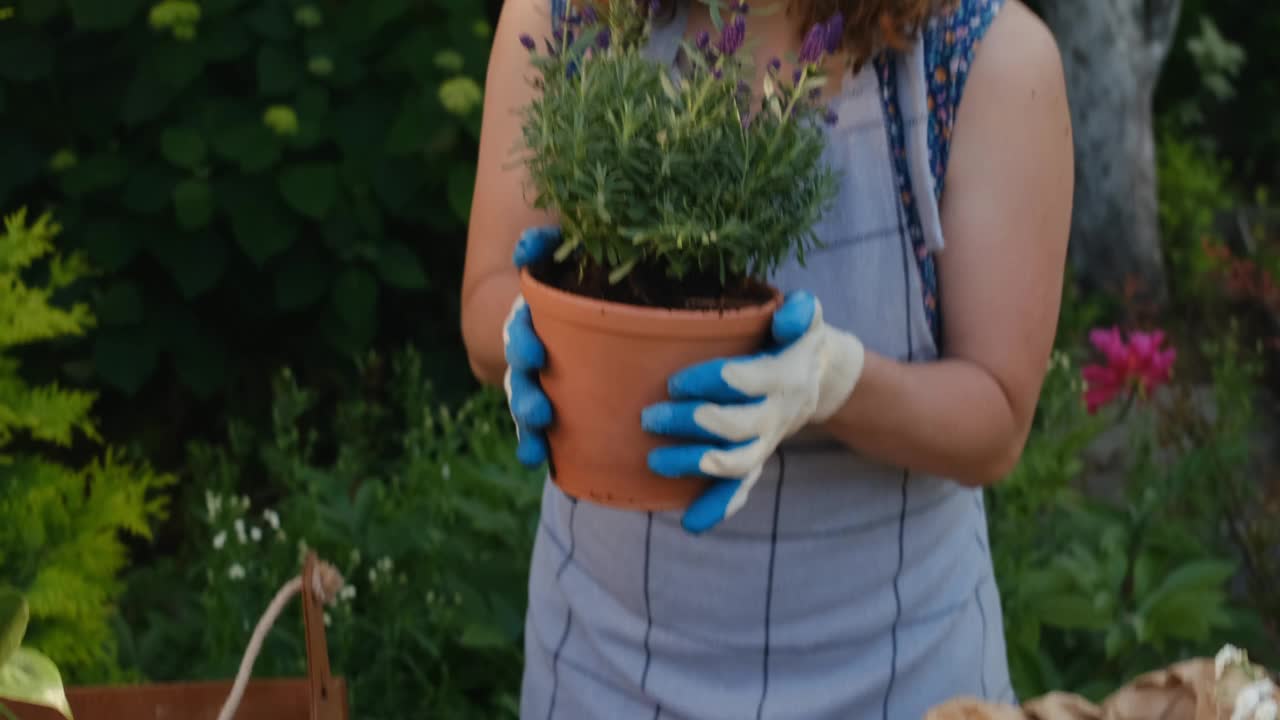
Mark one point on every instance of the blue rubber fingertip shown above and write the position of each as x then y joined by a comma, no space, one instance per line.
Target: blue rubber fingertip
529,404
793,319
531,452
677,420
678,461
535,244
524,350
709,509
704,382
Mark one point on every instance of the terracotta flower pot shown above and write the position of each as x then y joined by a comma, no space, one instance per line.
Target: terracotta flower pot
606,362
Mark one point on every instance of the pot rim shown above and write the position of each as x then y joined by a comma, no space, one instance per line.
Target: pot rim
623,319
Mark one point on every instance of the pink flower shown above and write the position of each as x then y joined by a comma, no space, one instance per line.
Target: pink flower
1137,362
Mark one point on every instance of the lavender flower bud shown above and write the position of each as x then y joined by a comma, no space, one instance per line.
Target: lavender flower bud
589,16
703,40
717,73
738,6
835,32
831,118
733,35
775,64
602,40
795,77
815,42
528,43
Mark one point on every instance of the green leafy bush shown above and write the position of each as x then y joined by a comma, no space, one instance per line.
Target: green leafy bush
259,182
423,509
60,541
1102,583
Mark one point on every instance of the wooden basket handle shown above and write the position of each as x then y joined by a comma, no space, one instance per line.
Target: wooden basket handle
325,704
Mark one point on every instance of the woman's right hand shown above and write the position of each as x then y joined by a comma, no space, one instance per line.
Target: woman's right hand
526,356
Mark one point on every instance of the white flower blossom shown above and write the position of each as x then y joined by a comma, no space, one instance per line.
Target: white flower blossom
385,564
255,534
1228,655
373,575
240,533
444,471
272,518
212,503
236,572
348,593
219,540
1255,701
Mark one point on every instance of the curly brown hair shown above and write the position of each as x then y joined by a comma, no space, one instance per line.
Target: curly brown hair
870,26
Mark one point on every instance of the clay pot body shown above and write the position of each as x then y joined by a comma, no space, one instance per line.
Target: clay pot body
608,361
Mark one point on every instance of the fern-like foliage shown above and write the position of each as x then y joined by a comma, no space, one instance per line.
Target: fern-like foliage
61,537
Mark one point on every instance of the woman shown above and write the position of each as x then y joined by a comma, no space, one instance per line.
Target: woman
853,580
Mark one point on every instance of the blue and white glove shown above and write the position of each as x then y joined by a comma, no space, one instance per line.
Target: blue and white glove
737,410
529,406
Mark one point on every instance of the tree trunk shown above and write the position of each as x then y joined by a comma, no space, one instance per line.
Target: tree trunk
1112,53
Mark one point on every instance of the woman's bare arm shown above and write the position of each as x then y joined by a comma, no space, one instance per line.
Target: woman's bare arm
499,208
1006,217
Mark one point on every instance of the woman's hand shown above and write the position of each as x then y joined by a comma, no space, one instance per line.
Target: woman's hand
737,410
526,356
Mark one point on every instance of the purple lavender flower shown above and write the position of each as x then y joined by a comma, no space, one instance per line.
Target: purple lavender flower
589,16
602,40
575,18
775,64
738,6
831,118
834,32
733,35
528,42
795,76
815,42
703,40
717,73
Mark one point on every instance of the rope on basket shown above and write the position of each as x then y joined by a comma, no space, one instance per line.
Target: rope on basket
326,581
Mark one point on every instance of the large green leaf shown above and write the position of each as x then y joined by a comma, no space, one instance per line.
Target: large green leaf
32,678
95,172
183,147
252,145
14,615
278,71
263,229
120,304
462,179
1072,612
125,359
99,15
193,204
355,297
399,267
111,244
1203,575
302,279
310,189
195,261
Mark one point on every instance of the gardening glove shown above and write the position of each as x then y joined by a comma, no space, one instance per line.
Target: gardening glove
525,354
738,410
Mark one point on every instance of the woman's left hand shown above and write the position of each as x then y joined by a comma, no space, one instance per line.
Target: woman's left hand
737,410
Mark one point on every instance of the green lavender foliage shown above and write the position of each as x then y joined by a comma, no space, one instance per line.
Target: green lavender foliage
693,174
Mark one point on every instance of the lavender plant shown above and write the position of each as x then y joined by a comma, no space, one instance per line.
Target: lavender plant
677,174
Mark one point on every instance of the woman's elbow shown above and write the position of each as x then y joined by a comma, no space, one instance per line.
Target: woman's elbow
999,462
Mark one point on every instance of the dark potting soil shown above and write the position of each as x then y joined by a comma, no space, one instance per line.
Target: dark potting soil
650,286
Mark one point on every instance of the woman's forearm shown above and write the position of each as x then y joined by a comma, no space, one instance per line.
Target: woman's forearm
484,309
949,418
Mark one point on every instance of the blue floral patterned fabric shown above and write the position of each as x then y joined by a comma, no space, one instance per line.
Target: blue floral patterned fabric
950,41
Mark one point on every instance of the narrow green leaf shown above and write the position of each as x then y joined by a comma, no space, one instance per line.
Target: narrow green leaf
1200,575
14,615
32,678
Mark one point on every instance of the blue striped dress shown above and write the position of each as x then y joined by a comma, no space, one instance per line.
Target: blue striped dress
844,588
